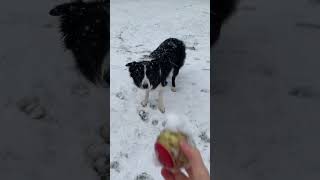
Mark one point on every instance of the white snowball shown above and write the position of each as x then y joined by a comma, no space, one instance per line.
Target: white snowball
174,123
179,123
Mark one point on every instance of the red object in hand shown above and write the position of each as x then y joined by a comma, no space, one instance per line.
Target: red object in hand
164,156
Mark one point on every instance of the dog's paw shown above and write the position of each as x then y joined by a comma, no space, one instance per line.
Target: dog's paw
162,109
144,103
173,89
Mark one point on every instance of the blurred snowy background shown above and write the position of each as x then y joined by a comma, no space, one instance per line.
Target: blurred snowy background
52,121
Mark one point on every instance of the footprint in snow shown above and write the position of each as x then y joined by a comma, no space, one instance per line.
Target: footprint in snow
155,122
153,105
302,92
124,155
121,95
204,137
144,176
205,90
144,115
164,123
31,106
115,165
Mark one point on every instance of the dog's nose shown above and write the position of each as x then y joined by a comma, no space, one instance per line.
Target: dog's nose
145,86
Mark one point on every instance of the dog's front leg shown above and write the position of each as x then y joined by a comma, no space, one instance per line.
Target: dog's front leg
146,98
160,100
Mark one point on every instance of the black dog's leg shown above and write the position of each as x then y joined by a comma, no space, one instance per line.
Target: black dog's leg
174,75
163,81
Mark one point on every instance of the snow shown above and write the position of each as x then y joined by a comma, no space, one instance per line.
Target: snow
174,123
177,123
137,28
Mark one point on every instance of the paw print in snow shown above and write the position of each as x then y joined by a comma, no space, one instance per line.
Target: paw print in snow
31,106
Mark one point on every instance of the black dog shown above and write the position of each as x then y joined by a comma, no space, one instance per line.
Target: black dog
221,11
149,75
85,31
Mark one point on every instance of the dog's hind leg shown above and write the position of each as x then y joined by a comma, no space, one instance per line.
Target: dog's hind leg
160,100
174,75
146,98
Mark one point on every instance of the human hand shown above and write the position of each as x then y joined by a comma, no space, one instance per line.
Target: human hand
196,170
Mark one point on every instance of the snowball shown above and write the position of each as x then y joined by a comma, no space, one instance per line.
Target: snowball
179,123
174,123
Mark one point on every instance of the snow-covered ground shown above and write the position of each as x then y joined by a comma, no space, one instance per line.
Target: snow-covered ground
138,27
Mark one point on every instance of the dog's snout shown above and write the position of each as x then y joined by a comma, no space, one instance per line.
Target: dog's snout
145,86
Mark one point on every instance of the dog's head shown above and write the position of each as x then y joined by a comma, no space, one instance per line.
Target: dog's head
84,27
222,10
143,73
137,71
78,8
68,8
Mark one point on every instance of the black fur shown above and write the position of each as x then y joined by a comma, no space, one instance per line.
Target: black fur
85,31
221,11
170,55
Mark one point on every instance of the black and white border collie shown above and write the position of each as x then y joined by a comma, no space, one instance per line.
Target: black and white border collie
222,10
151,74
85,31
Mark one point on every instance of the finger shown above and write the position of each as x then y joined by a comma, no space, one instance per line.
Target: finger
192,154
180,176
167,174
189,171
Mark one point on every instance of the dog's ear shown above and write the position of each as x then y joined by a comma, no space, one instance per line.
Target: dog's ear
130,64
59,10
54,12
66,8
